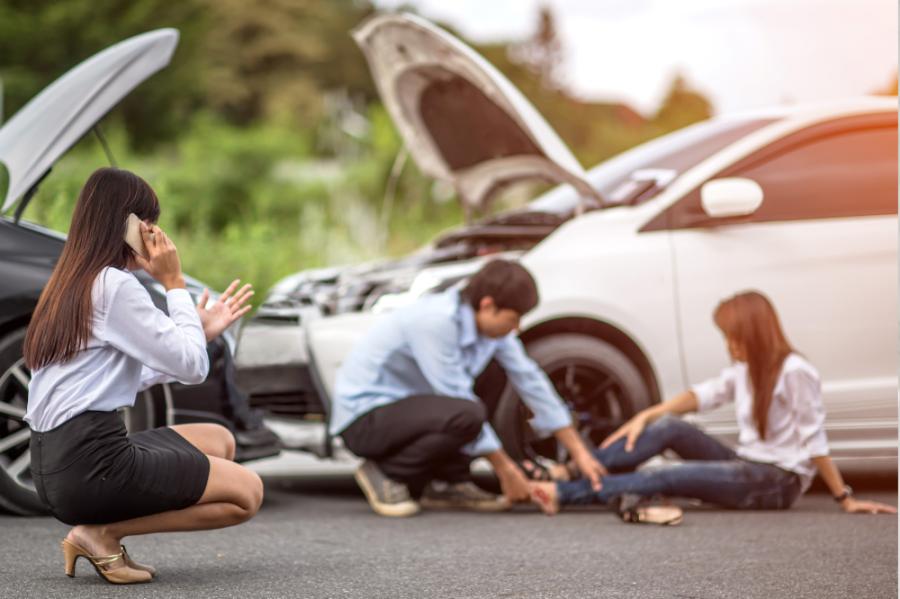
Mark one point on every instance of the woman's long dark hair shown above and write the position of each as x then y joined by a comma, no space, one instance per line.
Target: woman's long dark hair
749,320
61,323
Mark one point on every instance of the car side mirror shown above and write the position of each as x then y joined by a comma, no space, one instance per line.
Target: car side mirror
732,196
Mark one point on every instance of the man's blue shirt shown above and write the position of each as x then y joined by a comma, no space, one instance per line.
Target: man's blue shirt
432,347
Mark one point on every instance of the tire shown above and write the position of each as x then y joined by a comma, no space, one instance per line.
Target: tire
599,384
17,492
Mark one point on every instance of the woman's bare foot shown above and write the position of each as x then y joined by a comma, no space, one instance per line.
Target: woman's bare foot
545,496
94,539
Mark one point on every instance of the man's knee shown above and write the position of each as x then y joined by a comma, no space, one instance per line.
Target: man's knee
469,419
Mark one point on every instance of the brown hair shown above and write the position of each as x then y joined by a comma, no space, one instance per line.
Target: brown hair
749,320
61,323
508,283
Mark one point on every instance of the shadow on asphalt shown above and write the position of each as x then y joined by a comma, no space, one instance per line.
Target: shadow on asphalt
346,486
861,482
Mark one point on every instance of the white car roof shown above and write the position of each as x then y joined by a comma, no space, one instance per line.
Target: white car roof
825,109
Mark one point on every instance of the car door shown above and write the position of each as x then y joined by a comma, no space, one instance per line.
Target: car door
823,247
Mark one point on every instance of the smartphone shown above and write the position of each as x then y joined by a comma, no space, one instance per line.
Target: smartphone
133,236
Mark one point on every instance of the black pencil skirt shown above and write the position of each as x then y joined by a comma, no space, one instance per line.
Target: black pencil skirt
89,470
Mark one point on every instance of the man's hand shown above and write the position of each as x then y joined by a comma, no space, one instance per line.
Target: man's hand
513,483
631,430
590,469
851,505
587,465
225,311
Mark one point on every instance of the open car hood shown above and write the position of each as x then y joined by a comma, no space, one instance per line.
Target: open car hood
45,128
461,119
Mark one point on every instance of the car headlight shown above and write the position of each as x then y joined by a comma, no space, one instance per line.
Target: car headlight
421,284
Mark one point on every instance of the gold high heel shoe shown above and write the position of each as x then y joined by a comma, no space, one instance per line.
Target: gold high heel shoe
133,564
123,574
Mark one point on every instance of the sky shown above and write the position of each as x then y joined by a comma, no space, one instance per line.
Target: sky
742,54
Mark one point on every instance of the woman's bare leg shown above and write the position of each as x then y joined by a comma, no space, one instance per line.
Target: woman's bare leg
233,495
211,439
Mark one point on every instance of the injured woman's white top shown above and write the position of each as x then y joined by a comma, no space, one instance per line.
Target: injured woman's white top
133,345
795,432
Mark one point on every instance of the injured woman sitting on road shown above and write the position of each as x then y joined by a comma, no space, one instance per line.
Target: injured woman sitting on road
781,444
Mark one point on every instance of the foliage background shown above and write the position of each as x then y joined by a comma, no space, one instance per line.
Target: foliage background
265,139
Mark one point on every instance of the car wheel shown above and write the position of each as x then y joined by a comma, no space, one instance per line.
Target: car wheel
598,383
17,492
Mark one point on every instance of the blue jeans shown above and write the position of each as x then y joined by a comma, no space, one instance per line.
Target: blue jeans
711,472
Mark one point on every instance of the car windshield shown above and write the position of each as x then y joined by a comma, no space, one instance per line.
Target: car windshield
639,174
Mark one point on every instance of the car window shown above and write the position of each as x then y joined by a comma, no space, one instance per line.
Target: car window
829,171
640,173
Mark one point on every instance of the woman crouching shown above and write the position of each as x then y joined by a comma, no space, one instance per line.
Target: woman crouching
95,340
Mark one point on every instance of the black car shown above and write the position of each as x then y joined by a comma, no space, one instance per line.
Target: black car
30,143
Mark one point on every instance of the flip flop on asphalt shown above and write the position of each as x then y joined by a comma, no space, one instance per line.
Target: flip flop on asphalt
635,509
535,471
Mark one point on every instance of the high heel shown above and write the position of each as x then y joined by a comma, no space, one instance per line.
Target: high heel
123,574
133,564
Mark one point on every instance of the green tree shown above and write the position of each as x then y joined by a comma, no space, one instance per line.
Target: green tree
542,53
274,59
681,106
41,39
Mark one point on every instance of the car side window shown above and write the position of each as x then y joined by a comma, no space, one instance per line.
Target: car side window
815,174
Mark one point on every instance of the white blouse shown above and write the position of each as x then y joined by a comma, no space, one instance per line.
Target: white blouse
133,345
795,432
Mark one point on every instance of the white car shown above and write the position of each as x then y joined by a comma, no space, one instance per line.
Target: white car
797,202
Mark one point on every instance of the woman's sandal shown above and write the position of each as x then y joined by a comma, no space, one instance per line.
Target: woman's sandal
636,510
535,471
123,574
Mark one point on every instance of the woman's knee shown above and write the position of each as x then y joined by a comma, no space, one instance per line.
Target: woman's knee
229,443
233,484
669,426
212,439
249,497
223,439
256,492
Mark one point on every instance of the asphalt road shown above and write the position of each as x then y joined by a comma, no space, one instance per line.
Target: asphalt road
317,538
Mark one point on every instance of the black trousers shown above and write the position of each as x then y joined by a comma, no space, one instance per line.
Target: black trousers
418,439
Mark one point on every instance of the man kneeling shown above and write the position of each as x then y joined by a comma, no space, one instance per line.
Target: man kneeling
404,398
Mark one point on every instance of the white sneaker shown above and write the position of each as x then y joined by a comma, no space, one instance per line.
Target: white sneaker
387,497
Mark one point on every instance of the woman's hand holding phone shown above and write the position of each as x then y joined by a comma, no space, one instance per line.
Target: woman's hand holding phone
162,263
229,307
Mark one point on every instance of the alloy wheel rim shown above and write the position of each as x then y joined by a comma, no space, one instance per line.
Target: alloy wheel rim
15,435
595,398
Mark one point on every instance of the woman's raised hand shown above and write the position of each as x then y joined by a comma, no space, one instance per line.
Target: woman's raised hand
228,308
631,430
163,263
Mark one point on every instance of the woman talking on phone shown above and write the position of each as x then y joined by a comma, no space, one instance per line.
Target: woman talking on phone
94,341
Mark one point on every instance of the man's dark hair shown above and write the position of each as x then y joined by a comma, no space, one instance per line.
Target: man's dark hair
509,284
